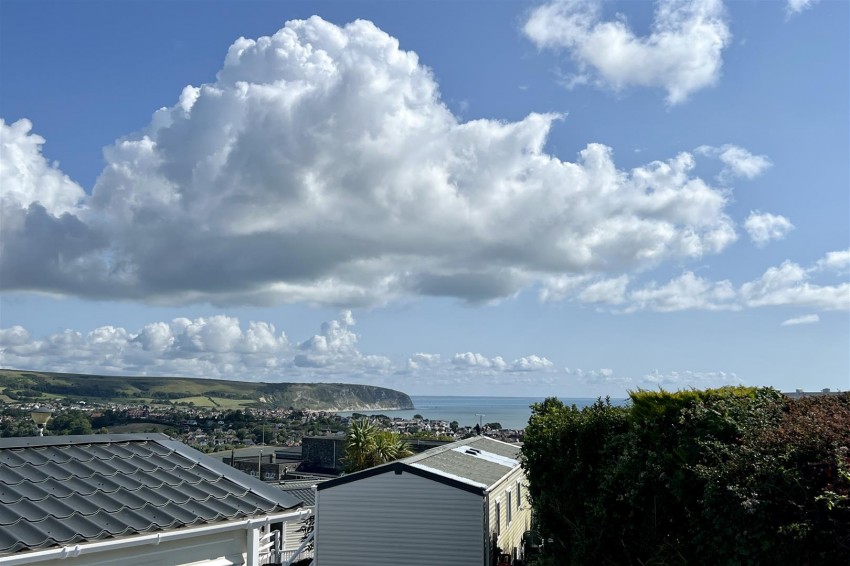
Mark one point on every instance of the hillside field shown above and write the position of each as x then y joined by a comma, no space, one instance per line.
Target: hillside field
19,385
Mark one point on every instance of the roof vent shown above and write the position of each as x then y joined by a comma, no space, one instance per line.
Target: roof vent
473,451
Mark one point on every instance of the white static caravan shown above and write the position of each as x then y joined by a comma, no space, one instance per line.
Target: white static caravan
445,506
133,500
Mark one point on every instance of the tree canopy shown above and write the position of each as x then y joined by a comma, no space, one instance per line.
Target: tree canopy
73,421
731,475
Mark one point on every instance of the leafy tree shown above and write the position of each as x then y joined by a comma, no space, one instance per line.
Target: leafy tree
564,451
723,476
493,426
18,428
454,425
70,422
785,488
109,418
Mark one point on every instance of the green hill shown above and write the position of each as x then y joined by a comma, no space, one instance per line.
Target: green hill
31,385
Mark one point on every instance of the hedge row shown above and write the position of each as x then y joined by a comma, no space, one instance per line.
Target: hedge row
724,476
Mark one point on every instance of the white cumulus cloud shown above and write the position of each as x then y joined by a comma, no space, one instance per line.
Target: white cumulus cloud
216,347
476,361
607,291
765,227
421,360
805,319
42,234
737,161
562,286
686,292
335,347
28,179
467,360
796,6
532,363
321,166
835,261
789,284
682,54
14,336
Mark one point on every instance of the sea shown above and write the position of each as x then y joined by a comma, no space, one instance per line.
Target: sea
510,412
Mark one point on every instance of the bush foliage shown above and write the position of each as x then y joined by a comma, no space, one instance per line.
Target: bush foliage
723,476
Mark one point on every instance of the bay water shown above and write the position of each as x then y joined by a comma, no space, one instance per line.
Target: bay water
510,412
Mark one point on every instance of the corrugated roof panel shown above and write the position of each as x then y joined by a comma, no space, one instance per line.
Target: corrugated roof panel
66,490
302,489
12,459
305,494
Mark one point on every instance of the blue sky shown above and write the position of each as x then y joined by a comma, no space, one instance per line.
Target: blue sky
506,198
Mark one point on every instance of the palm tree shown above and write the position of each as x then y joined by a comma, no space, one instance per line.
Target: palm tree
389,447
367,446
360,444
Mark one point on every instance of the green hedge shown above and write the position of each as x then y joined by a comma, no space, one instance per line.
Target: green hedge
722,476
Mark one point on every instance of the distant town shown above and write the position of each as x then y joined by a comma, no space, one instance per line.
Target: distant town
213,429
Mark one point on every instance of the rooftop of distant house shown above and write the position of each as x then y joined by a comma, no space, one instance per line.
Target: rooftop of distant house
800,393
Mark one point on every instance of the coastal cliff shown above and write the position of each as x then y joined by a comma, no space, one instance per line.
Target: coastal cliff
334,396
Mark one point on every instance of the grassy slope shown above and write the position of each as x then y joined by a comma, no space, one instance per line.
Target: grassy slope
203,392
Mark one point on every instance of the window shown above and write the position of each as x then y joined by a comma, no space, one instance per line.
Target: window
508,514
518,494
498,517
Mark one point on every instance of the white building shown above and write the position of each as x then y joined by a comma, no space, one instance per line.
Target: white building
445,506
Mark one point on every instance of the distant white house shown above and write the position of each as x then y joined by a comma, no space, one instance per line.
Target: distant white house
133,500
445,506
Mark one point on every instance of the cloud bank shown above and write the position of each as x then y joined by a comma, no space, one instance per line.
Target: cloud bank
322,166
221,347
786,285
682,54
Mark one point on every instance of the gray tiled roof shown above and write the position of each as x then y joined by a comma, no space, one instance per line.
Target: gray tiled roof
477,460
302,490
72,489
